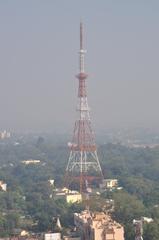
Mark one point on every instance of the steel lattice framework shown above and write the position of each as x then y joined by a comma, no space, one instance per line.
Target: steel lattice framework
83,165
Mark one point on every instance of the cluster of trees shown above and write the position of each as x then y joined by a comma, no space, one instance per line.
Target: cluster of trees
27,202
138,172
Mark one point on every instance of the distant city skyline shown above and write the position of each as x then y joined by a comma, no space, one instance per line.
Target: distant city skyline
39,60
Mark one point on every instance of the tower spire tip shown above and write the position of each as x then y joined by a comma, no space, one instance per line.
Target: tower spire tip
81,35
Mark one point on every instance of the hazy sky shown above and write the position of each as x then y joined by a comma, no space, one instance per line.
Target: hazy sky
39,43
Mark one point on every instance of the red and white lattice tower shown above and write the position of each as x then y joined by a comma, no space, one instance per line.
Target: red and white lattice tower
83,166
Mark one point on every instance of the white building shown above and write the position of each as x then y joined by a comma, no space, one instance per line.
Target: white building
109,183
5,134
3,186
52,236
69,196
31,161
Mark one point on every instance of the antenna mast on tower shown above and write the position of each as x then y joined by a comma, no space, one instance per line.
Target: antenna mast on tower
83,166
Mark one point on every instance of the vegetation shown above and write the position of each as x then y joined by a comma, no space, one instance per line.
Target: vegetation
29,201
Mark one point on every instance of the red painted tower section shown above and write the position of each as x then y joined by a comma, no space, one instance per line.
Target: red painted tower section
83,166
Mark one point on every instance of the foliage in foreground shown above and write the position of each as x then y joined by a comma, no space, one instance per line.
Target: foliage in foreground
27,203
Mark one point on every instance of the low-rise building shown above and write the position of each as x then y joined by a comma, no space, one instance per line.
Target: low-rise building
146,220
52,236
71,238
3,186
31,161
109,183
52,182
73,197
68,195
5,134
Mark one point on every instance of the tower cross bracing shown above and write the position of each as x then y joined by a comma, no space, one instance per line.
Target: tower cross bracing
83,164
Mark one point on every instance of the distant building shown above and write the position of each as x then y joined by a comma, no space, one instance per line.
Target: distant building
24,233
5,134
71,238
52,182
31,161
97,226
3,186
109,183
73,197
68,195
52,236
146,220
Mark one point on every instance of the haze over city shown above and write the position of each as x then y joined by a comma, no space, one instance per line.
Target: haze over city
39,59
59,60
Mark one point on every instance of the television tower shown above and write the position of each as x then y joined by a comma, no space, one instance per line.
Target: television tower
83,166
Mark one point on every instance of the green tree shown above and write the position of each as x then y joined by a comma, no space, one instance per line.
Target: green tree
151,231
127,207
